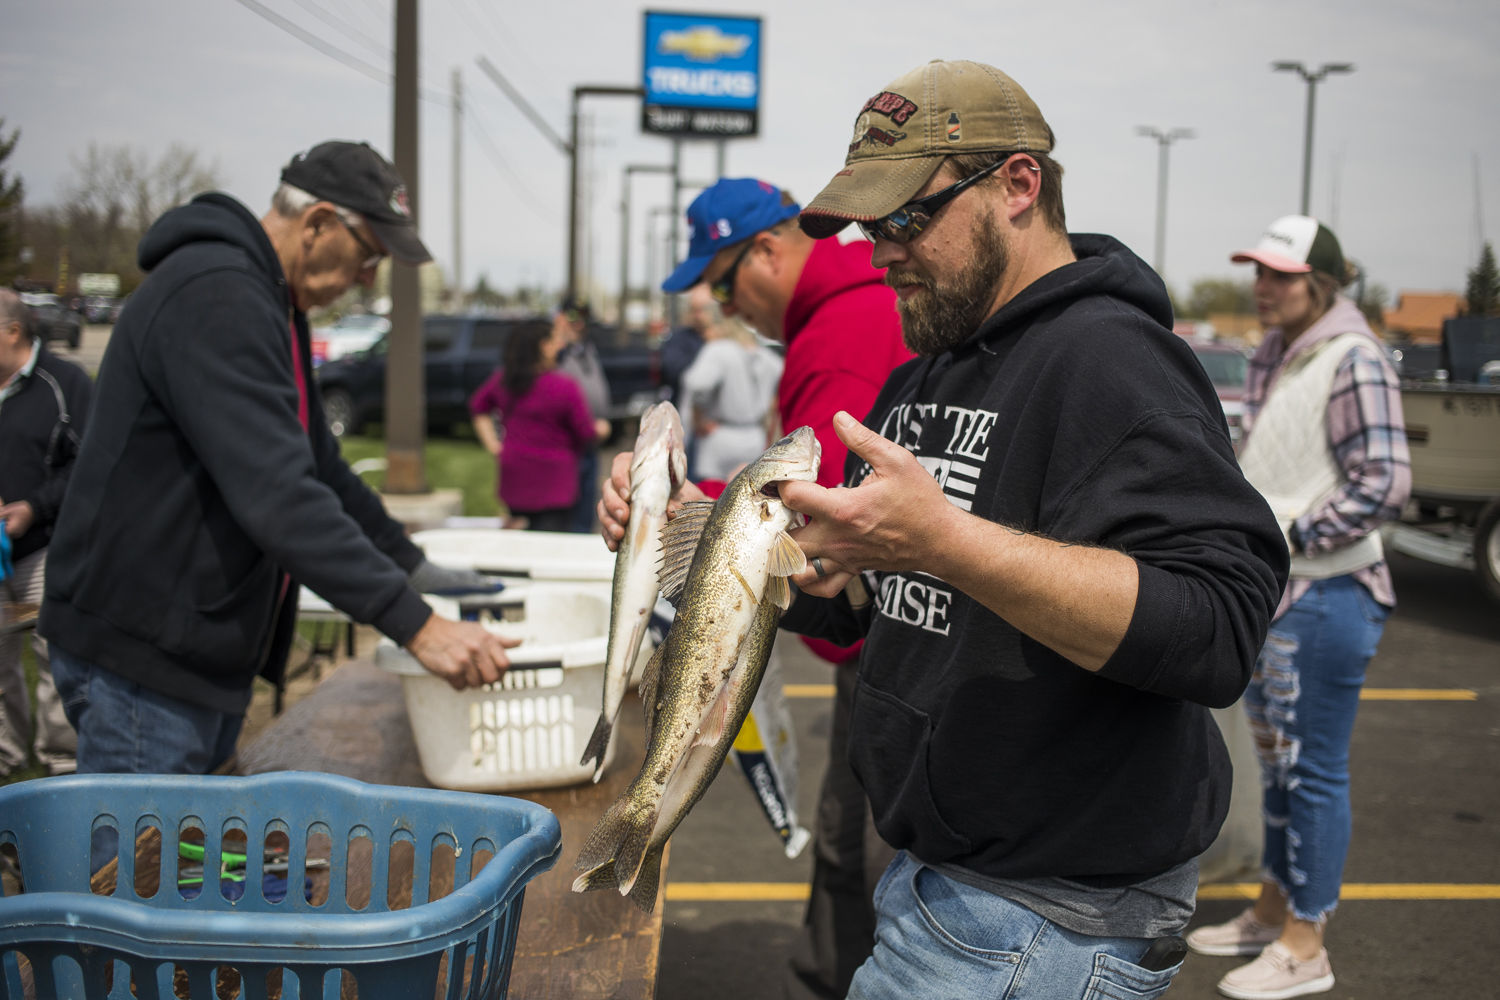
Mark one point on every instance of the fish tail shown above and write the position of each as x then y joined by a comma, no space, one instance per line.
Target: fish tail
598,743
647,880
602,877
622,836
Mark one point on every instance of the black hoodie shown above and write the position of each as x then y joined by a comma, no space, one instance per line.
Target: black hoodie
1076,413
197,490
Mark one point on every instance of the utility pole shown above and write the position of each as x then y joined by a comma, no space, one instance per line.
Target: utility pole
458,179
1312,79
405,406
630,171
1164,142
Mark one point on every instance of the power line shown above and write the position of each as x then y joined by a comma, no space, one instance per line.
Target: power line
291,28
344,28
563,145
498,159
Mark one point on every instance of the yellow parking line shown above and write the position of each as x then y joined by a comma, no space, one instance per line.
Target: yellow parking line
1418,694
808,690
1368,694
1368,890
737,892
796,892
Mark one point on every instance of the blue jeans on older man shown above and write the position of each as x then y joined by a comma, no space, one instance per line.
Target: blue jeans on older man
940,938
1302,701
124,728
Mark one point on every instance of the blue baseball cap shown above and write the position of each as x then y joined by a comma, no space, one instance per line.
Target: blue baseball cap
728,213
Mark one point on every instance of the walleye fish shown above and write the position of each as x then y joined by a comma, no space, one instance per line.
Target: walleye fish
725,565
657,468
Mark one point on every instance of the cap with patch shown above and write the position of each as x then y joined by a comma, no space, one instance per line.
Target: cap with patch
354,176
1296,244
903,133
727,213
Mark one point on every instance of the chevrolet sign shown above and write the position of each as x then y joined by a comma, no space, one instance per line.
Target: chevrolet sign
701,74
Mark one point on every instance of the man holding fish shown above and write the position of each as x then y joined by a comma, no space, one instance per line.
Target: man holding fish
1062,568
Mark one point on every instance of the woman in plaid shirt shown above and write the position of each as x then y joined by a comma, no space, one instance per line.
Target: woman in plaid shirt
1325,444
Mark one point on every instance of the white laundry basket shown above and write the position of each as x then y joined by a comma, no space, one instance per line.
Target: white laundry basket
539,555
529,729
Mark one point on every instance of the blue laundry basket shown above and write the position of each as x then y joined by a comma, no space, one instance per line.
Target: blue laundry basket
77,941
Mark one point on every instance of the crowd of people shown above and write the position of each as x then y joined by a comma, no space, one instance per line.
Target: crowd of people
1035,557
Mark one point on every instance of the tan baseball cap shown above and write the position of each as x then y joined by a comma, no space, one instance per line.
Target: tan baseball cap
903,133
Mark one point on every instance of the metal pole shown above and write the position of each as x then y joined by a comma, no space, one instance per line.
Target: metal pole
675,221
719,158
573,197
1163,145
458,176
405,406
1307,140
631,171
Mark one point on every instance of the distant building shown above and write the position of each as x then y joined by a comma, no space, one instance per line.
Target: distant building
1419,316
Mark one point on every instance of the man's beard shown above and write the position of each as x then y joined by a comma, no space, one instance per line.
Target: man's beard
939,317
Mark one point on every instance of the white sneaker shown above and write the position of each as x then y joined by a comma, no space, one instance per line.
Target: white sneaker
1244,935
1278,974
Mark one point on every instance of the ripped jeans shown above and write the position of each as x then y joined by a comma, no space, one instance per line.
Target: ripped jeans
1302,701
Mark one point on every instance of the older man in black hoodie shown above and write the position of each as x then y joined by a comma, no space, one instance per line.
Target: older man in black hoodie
1067,568
208,486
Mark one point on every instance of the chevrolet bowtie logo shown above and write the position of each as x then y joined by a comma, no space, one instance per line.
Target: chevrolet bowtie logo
703,43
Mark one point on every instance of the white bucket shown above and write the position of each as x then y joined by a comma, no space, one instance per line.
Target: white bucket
529,729
539,555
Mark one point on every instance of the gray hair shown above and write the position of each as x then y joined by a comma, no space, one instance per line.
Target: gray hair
290,201
13,310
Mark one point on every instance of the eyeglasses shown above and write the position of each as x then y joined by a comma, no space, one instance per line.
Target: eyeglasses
375,255
902,225
723,289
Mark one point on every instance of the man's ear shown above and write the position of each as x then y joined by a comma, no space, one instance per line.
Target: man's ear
317,218
1023,184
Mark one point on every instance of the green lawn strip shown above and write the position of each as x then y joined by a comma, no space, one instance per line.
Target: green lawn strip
452,463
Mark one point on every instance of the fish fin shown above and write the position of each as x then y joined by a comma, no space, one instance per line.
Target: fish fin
598,743
602,877
779,591
622,835
648,686
786,558
711,731
647,881
679,540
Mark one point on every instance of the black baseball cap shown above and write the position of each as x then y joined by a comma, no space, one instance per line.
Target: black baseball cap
354,176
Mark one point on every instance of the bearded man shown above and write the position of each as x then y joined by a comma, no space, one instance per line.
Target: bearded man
1063,568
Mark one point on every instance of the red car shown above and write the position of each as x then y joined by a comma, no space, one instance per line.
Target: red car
1226,367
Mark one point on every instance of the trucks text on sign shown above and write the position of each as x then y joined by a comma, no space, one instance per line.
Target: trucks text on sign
701,74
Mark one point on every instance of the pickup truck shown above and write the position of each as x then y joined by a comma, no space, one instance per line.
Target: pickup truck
460,352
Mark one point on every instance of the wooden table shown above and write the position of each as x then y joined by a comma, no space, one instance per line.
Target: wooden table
572,945
17,617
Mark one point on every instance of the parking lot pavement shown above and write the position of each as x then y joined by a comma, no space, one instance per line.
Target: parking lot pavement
1426,790
90,347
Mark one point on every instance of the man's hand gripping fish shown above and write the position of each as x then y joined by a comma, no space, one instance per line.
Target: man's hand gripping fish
657,468
726,564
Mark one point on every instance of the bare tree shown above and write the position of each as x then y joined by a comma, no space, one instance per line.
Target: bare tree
11,194
114,196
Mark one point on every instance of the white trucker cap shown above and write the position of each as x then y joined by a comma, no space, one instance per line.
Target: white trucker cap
1296,244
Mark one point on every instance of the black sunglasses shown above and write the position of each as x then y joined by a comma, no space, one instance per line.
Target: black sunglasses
910,219
723,289
375,256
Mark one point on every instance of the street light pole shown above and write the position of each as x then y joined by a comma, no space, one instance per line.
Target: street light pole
1312,79
1164,142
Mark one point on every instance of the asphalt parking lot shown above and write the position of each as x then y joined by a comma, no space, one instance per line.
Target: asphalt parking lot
1426,788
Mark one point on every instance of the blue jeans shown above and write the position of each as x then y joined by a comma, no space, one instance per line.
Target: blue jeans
124,728
939,938
588,493
1302,701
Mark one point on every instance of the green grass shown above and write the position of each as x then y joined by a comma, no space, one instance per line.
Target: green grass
452,463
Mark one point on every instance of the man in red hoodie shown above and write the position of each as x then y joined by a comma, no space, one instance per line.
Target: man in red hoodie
838,320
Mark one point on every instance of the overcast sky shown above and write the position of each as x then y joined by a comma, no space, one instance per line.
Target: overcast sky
1397,139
